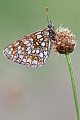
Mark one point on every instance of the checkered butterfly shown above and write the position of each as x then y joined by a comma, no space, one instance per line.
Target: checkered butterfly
32,49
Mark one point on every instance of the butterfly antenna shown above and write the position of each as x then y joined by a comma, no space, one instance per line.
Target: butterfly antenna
47,15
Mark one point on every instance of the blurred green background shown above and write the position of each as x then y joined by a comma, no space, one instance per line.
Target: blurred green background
42,93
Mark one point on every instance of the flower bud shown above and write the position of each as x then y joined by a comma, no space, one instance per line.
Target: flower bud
64,42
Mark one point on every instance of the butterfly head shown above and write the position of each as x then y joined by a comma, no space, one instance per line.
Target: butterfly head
51,25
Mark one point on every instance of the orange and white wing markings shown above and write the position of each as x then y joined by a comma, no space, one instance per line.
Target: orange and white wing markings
30,50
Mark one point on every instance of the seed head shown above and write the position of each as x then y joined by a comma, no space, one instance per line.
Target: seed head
64,42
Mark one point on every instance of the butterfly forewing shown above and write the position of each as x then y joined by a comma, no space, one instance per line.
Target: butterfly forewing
30,50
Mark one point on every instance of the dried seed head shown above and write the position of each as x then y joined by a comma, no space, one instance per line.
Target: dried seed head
64,42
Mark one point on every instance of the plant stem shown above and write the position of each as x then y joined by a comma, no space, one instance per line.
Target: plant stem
68,58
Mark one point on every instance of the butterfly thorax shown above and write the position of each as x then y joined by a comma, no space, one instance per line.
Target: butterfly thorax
51,31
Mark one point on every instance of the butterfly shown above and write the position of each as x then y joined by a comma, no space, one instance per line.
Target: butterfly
33,49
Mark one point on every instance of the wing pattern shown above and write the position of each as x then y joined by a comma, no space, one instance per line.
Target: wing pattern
30,50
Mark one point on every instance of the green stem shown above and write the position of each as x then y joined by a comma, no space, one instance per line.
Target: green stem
73,85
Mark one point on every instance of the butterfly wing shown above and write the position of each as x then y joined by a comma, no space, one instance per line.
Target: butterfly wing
30,50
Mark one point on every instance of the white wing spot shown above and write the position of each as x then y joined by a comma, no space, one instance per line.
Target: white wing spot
37,51
19,47
15,57
39,33
46,32
31,39
33,51
11,49
29,60
6,50
22,48
39,36
19,51
29,52
46,58
41,54
43,44
41,39
21,56
27,48
9,52
26,42
37,43
45,53
34,62
24,60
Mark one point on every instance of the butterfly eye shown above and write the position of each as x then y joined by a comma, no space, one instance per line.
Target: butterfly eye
50,25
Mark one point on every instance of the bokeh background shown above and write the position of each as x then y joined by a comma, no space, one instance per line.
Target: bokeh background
42,93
